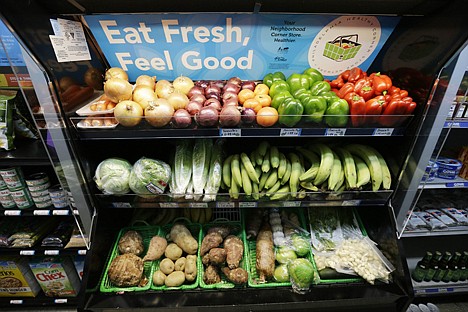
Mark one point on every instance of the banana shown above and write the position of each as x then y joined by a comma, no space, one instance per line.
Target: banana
253,157
272,178
258,158
255,191
296,169
287,174
308,186
235,170
335,172
227,171
208,214
301,194
341,181
326,162
234,190
263,180
266,162
263,148
274,157
246,183
349,166
363,173
281,194
313,159
250,170
386,175
282,165
274,188
194,214
371,160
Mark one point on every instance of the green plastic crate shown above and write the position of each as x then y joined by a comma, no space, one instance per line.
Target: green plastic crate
225,283
146,232
342,48
195,230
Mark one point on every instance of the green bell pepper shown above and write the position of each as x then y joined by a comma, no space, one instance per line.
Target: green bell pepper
314,108
319,87
279,98
272,77
330,96
299,81
299,94
278,87
290,112
314,74
337,113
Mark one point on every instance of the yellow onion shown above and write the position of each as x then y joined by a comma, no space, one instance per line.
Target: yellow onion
128,113
145,80
115,72
178,100
117,89
144,96
164,88
159,113
183,84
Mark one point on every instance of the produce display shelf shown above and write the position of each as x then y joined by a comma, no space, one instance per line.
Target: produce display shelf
37,212
439,183
43,251
40,300
442,289
145,131
456,230
456,124
27,153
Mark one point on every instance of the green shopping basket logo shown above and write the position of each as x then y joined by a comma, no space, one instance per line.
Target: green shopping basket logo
342,48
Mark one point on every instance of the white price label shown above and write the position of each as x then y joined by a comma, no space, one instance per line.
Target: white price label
225,205
121,205
230,132
76,212
16,301
27,252
82,252
248,205
12,212
41,212
198,205
292,204
290,132
61,301
60,212
51,252
383,131
335,132
168,205
351,203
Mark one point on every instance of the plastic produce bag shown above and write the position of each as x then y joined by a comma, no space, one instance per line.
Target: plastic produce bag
7,131
112,176
149,176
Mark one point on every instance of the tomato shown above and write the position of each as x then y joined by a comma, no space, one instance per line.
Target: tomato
267,116
253,104
261,89
244,95
264,99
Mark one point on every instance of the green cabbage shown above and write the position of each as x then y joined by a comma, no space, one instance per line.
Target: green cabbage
149,176
112,176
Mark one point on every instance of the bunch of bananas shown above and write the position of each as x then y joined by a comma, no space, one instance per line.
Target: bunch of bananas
198,215
269,172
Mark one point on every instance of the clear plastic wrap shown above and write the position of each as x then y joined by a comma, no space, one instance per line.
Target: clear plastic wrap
149,176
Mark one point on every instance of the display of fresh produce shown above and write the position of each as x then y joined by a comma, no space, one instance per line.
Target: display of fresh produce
149,176
112,176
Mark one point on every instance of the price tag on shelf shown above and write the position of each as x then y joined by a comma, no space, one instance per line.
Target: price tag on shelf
82,252
61,301
13,213
198,205
41,212
51,252
456,184
121,205
248,204
226,133
60,212
351,203
169,205
383,132
76,212
335,132
16,301
292,204
290,132
225,205
27,252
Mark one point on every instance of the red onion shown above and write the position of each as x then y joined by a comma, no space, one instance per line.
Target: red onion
230,116
195,90
200,98
217,83
212,102
229,95
249,84
202,83
193,107
214,96
231,102
248,116
207,117
235,80
230,87
181,119
212,89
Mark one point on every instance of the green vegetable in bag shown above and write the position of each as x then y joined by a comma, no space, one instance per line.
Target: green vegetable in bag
7,133
112,176
281,273
149,176
301,245
284,254
301,272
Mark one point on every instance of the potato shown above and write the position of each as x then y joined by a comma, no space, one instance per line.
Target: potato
156,248
183,238
166,266
179,265
173,252
175,279
159,278
191,268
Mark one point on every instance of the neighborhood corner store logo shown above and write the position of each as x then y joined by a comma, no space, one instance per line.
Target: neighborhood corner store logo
344,43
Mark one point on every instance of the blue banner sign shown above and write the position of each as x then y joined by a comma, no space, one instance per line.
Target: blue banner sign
220,46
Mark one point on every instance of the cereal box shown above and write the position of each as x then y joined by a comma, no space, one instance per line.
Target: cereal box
16,278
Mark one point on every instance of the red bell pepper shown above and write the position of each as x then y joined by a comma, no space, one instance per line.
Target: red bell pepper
346,88
345,75
357,106
381,83
337,83
391,116
410,108
355,74
374,109
363,87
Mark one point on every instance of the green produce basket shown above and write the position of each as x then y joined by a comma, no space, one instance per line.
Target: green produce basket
342,48
252,254
146,232
225,283
343,280
195,230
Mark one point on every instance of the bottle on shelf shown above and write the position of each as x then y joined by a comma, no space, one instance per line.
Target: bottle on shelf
443,267
464,267
422,267
452,268
433,266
